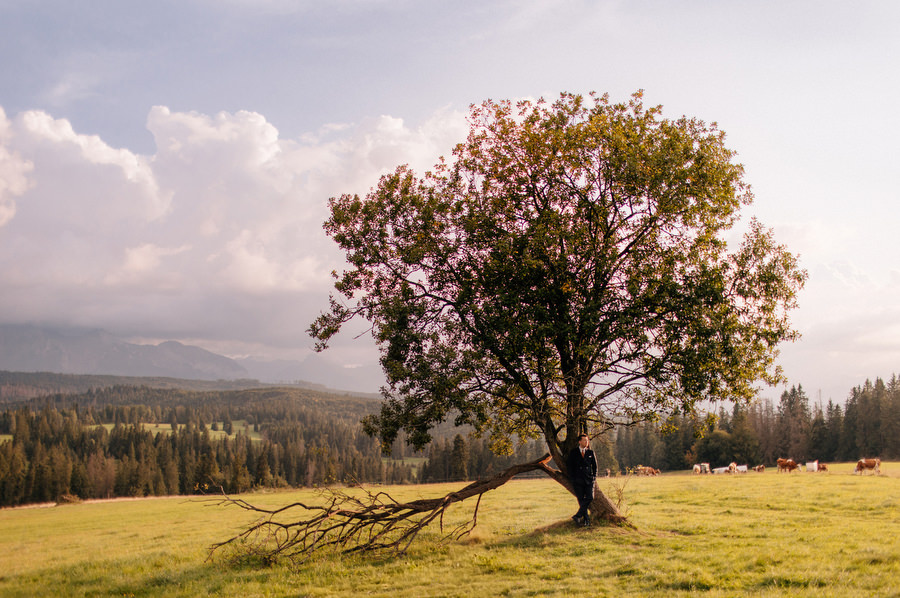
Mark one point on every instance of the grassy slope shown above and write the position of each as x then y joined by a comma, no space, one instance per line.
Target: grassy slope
769,534
239,425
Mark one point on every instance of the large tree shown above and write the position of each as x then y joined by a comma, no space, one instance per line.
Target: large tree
565,271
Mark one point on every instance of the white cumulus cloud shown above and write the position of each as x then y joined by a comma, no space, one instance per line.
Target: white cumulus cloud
214,237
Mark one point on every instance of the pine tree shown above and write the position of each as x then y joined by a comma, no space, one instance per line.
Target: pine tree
459,459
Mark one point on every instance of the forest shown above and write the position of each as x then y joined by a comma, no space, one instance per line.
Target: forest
866,425
130,440
126,440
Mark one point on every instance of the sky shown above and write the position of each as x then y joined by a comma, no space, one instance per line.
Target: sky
165,166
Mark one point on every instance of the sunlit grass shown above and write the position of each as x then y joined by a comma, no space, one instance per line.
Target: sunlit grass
154,428
803,534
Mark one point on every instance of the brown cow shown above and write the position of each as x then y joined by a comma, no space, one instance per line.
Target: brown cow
864,465
787,465
823,467
760,468
645,470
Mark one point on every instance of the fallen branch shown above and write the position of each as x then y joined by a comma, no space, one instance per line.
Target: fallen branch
354,523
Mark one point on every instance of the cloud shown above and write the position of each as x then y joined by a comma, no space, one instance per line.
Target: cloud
216,237
72,86
13,172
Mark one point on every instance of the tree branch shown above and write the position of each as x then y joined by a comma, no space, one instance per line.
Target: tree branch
354,523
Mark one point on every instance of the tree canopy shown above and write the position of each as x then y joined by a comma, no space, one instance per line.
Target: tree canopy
566,270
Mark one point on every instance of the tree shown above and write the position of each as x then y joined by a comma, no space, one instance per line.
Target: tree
716,448
565,272
459,459
744,443
792,426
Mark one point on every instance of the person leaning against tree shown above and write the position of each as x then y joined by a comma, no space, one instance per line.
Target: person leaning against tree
582,465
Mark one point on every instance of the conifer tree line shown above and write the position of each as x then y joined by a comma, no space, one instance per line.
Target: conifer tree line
87,453
139,441
866,426
468,457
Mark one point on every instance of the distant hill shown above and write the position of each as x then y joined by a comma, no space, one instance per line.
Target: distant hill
30,348
16,387
21,386
26,348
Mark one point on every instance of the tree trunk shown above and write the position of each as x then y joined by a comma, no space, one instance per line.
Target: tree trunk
601,509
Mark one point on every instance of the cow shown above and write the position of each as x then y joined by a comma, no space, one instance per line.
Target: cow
732,467
787,465
760,468
864,465
697,469
645,470
704,468
741,469
812,465
823,467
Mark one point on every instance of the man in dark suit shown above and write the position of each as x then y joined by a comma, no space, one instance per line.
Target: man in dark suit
582,465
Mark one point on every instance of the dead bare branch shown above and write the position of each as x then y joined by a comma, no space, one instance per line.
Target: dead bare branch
363,521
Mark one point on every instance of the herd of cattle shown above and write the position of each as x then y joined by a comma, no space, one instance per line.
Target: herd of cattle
784,465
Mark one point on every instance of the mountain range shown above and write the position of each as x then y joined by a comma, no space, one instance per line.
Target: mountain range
31,348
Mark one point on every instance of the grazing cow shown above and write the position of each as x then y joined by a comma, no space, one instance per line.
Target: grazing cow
704,468
697,469
760,468
864,465
823,467
787,465
741,469
812,465
732,467
645,470
719,470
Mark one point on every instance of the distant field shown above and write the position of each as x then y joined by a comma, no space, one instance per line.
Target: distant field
771,534
415,462
238,425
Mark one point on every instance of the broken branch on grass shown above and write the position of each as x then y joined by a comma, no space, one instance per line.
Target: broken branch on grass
358,522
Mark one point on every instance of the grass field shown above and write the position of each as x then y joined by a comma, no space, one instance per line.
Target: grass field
238,425
801,534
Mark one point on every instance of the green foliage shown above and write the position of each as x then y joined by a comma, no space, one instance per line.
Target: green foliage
565,272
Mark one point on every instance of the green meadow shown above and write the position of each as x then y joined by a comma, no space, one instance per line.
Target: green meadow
239,425
770,534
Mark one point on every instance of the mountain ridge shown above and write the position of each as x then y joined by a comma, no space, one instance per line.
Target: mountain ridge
93,351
